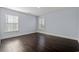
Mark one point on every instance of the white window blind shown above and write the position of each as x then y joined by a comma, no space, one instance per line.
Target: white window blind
11,23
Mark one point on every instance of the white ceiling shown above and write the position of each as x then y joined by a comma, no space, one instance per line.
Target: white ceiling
37,11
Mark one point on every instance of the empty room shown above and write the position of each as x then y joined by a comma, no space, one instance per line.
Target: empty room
39,29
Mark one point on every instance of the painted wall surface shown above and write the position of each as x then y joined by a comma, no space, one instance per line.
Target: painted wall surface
62,22
0,22
27,23
78,21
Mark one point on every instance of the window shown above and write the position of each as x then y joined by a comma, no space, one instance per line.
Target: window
41,23
11,23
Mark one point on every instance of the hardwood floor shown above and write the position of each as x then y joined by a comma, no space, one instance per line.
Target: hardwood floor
38,42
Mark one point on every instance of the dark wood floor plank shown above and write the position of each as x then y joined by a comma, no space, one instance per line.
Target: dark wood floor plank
38,42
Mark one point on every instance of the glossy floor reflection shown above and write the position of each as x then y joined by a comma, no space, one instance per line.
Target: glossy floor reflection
13,46
38,42
19,44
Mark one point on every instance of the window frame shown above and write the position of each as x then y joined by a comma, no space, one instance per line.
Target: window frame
41,23
6,23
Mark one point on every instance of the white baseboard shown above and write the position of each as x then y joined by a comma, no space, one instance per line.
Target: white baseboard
15,35
68,37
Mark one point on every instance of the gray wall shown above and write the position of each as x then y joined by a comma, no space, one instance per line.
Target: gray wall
62,22
0,22
27,23
78,21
